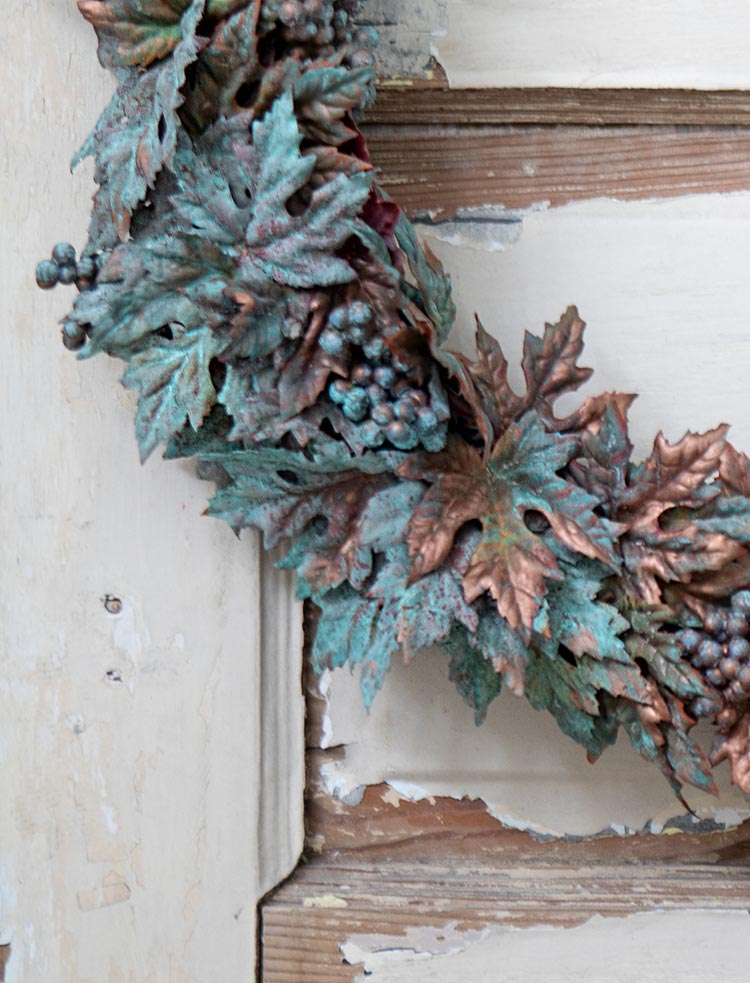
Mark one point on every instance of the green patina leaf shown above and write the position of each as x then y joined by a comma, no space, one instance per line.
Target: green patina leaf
474,676
668,666
175,384
137,135
154,284
280,492
434,285
212,437
299,251
570,695
573,613
368,628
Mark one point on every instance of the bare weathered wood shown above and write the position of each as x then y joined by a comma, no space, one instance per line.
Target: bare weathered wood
442,170
384,826
308,919
430,102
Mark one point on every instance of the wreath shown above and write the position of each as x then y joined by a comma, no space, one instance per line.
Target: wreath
282,323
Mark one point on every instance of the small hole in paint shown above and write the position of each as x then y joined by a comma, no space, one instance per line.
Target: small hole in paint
112,604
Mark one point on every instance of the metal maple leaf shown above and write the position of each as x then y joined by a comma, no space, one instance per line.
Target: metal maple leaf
518,482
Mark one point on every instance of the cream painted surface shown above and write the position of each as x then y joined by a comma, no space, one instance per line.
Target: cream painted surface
579,43
135,831
660,947
663,286
597,43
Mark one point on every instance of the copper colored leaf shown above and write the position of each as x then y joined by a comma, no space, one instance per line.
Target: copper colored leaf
550,364
550,367
490,376
323,97
603,467
734,471
135,32
734,747
511,561
661,544
305,375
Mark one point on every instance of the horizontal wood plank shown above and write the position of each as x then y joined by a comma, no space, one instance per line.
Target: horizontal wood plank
424,102
307,921
443,170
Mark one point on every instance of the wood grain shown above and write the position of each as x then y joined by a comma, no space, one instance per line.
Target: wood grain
302,932
442,170
424,102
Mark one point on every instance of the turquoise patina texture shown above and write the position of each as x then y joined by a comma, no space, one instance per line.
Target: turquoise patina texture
282,323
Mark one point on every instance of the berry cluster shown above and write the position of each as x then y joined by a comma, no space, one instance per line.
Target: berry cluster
65,268
380,392
320,25
721,652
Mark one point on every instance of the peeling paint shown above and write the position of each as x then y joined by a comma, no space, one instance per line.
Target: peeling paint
661,947
491,228
114,889
515,764
325,901
421,943
408,34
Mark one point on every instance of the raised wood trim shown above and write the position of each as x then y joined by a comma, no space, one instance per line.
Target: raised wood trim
445,169
422,102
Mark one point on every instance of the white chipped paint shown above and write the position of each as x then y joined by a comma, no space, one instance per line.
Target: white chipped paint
408,32
141,815
325,901
491,229
418,944
661,947
421,740
576,43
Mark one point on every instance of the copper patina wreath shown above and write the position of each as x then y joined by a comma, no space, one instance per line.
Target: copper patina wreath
282,323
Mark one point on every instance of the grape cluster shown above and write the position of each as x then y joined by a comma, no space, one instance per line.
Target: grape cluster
721,652
320,24
380,393
65,268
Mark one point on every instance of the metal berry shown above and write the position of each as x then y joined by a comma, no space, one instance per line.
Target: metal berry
64,254
47,274
332,342
68,274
